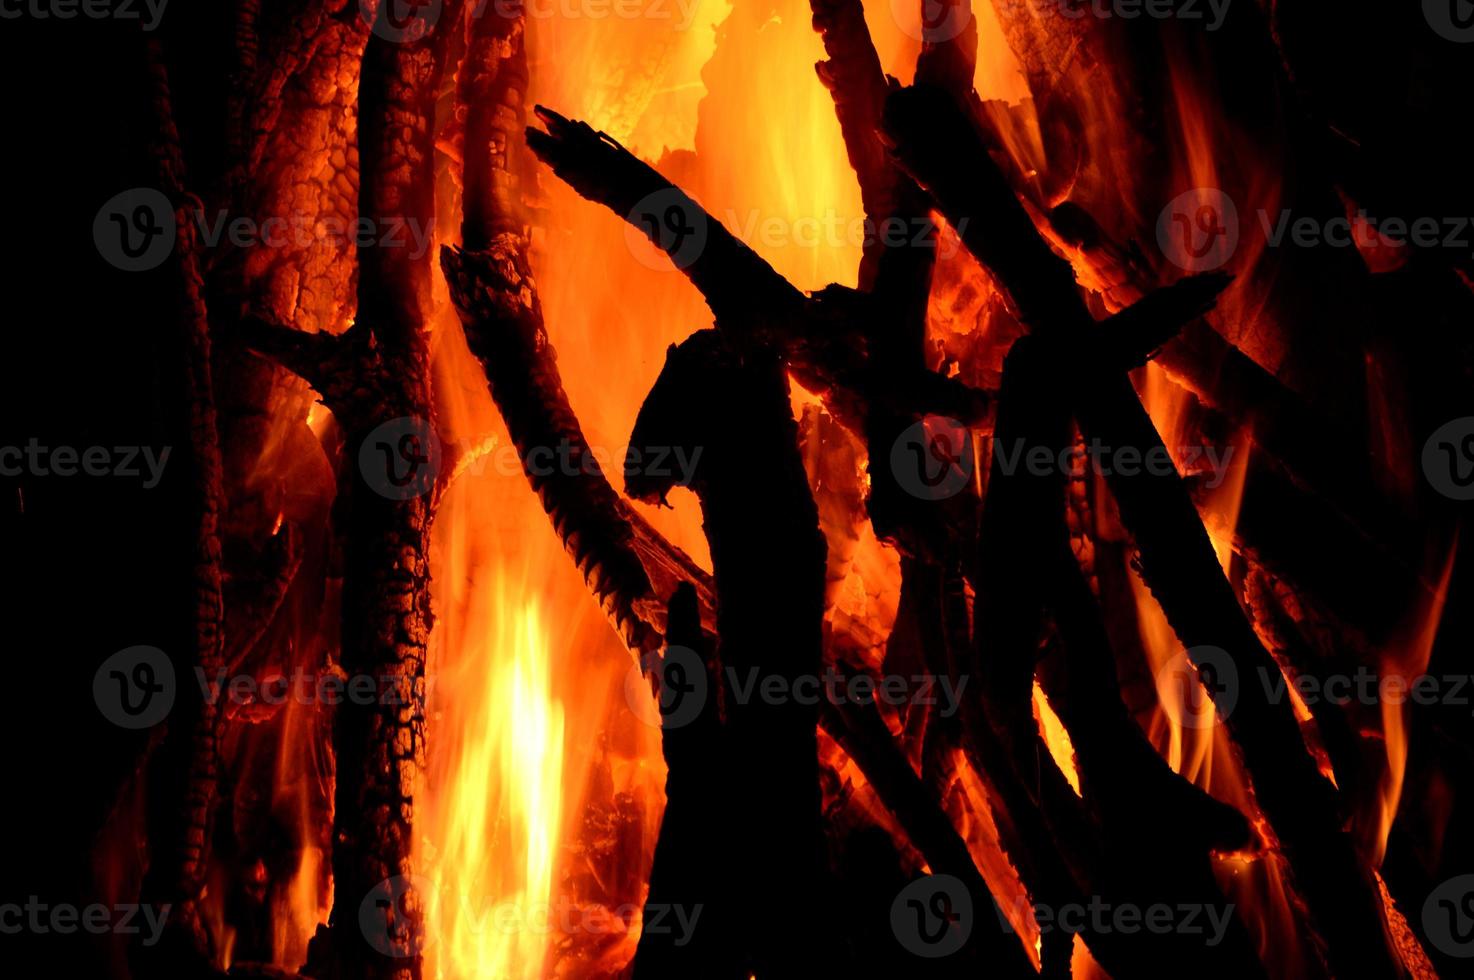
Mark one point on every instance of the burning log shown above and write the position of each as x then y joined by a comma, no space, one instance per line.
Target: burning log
180,833
499,309
862,732
1027,567
692,868
492,286
897,277
1177,558
1307,470
755,502
375,378
748,298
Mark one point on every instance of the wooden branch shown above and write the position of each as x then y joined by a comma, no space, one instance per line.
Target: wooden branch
1178,562
250,616
855,80
693,866
1026,568
822,340
386,586
755,503
180,833
495,294
862,733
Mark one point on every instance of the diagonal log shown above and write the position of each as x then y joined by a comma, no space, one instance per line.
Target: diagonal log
496,300
823,342
1027,570
939,144
819,336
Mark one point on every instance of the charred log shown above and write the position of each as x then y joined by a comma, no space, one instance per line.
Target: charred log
755,502
1177,558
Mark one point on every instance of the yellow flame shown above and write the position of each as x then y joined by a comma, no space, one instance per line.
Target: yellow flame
496,832
1061,749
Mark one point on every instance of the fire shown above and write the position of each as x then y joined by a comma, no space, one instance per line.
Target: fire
541,791
1406,664
494,831
1061,750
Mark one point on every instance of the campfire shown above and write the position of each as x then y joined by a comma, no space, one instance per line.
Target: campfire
747,488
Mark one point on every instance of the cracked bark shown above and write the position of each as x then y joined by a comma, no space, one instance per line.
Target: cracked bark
179,831
376,373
